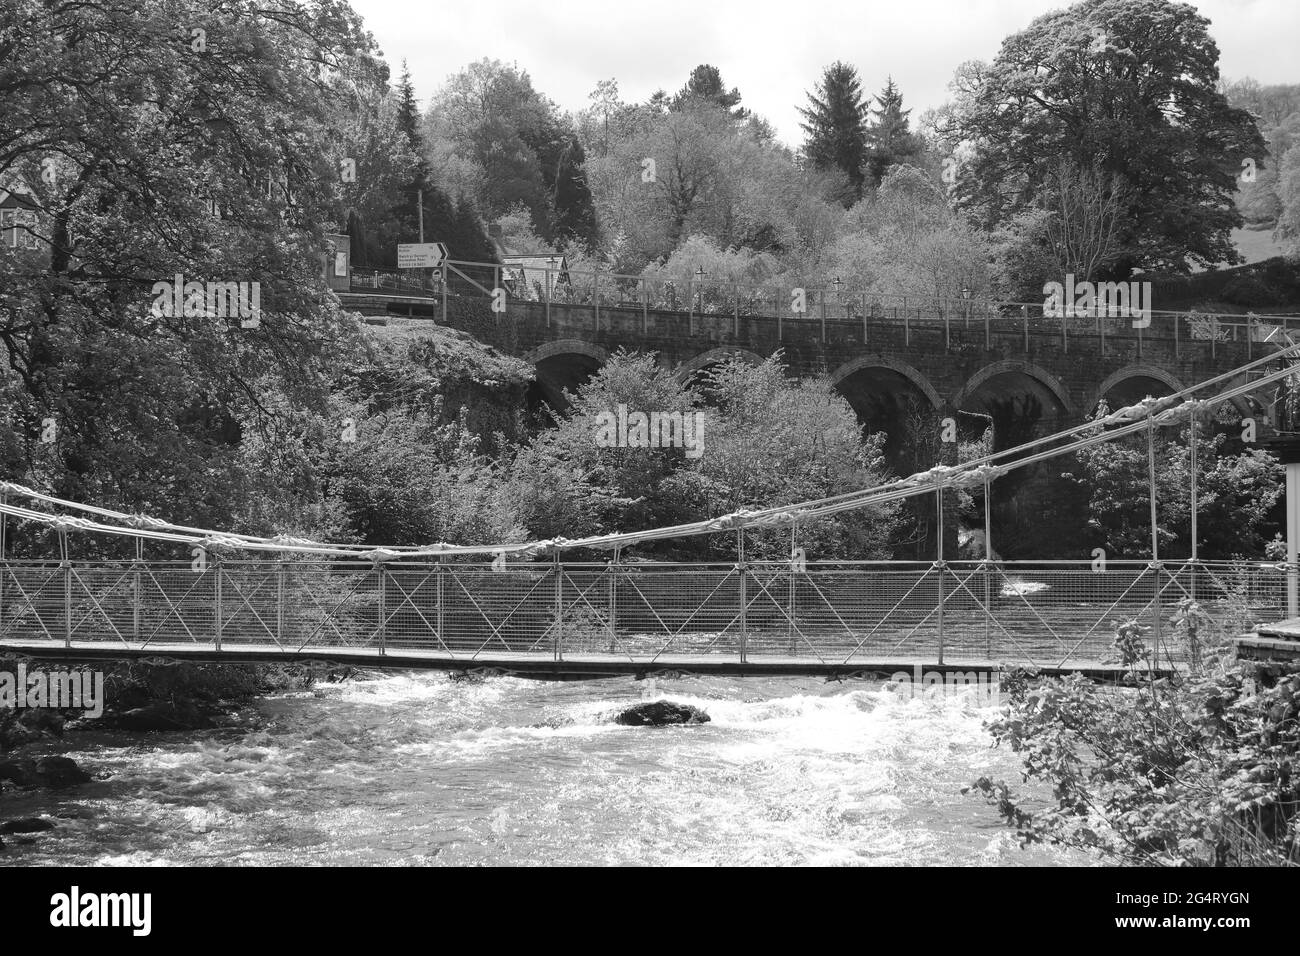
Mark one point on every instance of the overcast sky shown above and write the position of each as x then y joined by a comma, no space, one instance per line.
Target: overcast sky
773,52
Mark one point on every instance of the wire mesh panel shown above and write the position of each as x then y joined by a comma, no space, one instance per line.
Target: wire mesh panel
103,603
870,612
496,612
675,610
31,602
1053,615
177,604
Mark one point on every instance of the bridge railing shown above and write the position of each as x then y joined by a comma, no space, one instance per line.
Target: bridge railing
1047,614
712,305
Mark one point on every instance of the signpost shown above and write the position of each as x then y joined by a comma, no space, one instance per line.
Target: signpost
420,255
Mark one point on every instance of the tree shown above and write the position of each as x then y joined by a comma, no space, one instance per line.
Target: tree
1130,85
889,140
705,86
1289,197
212,154
1235,494
1073,228
520,149
906,240
835,126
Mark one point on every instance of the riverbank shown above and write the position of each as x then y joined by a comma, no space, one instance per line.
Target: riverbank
136,698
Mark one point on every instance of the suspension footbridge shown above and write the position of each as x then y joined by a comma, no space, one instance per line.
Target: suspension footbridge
547,609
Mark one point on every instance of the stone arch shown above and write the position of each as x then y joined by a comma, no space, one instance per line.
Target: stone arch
566,347
560,365
1134,371
1012,366
909,372
695,364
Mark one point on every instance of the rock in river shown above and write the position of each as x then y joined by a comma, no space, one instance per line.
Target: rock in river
657,713
60,772
26,825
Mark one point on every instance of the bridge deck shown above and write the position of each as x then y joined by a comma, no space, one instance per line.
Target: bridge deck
538,665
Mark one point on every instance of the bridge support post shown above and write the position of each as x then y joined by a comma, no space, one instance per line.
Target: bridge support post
66,565
279,599
381,576
744,591
1292,539
790,601
940,565
559,608
1155,538
438,576
1193,428
988,569
613,602
218,612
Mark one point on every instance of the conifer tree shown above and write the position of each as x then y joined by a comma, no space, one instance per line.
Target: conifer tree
835,125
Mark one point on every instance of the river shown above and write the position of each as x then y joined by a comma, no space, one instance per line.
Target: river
421,769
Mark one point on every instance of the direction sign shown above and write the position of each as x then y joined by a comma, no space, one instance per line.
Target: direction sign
420,255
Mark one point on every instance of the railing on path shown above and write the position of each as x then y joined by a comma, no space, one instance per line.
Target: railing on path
710,306
1056,615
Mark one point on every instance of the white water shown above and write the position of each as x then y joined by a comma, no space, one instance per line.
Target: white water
422,770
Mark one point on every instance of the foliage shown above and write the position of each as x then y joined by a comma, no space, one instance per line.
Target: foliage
766,441
515,149
1069,87
890,141
1234,493
835,124
220,165
1177,771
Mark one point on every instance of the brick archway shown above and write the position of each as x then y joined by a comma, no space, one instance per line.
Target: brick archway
1133,371
712,356
909,372
566,347
1015,366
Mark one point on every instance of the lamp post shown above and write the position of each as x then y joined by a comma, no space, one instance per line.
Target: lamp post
699,276
965,294
837,282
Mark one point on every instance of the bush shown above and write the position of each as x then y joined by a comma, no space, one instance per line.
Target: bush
1248,290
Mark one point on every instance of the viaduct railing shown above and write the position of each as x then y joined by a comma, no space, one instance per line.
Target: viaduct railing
708,302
